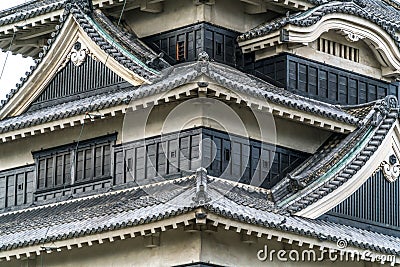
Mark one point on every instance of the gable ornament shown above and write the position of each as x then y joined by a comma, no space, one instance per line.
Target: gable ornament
351,36
391,168
77,55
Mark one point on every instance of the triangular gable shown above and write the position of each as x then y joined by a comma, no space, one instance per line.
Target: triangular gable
79,38
77,79
324,182
374,202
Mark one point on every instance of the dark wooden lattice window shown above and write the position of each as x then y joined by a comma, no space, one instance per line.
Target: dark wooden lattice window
16,186
69,164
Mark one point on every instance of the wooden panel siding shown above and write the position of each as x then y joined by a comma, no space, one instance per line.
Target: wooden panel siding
169,155
17,186
321,81
74,163
372,203
219,43
72,82
223,155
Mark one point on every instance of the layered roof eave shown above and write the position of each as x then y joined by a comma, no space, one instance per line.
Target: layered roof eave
177,203
227,82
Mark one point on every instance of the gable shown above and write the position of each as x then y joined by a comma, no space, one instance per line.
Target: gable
353,21
73,82
95,41
374,203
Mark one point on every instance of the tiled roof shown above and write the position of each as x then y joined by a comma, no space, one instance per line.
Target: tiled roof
382,13
360,111
131,58
29,10
325,171
91,22
172,78
145,204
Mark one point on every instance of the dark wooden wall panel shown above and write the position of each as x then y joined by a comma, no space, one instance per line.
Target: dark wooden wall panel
73,167
73,82
170,155
321,81
373,203
248,161
17,186
227,156
219,43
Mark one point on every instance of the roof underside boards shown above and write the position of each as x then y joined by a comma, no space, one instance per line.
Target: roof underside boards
174,77
339,160
135,59
28,25
382,13
85,216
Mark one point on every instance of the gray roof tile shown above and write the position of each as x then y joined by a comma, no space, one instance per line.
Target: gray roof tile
139,205
29,10
171,78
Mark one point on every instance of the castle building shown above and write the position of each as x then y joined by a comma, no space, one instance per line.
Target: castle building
202,133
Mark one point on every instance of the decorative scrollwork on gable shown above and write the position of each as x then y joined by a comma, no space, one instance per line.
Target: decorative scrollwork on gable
391,168
78,55
351,36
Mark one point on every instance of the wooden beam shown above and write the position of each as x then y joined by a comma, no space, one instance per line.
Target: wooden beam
205,2
256,9
253,2
116,10
151,6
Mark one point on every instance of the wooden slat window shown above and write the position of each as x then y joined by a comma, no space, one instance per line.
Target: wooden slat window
88,161
337,49
16,186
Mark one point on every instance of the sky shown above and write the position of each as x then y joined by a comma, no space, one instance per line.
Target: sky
15,66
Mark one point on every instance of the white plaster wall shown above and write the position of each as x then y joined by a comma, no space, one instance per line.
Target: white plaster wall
178,13
234,119
19,152
176,247
226,248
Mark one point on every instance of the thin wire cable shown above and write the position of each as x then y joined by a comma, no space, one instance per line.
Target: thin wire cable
119,21
9,47
7,54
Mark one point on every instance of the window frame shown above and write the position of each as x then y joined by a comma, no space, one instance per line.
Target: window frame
71,151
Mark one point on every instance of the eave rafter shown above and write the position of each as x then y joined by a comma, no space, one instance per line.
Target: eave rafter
381,43
29,31
114,7
279,6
